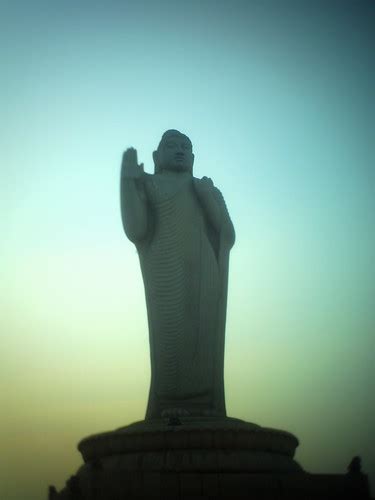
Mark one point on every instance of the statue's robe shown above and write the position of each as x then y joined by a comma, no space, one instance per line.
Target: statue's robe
184,263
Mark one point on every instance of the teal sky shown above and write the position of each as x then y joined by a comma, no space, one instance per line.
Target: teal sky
277,98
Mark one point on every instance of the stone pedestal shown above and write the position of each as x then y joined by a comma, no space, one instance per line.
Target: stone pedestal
199,458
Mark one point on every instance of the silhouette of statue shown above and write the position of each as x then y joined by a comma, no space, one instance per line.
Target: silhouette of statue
183,234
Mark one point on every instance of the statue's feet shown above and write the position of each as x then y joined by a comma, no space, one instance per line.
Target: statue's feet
190,412
175,412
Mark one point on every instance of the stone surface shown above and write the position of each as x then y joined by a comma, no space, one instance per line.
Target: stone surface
183,234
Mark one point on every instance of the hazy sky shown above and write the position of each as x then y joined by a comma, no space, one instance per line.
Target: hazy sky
277,97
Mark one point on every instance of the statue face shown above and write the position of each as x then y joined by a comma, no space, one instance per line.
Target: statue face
175,153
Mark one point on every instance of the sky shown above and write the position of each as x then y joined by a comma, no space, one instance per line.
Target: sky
278,100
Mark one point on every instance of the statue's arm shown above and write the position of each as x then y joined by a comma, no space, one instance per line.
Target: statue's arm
227,228
215,208
133,197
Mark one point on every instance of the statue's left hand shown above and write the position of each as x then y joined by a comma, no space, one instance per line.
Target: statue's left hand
203,185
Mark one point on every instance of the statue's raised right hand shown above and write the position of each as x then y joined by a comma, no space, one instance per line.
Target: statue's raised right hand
130,167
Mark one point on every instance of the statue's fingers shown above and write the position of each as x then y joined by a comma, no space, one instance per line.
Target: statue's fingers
125,157
130,156
128,153
133,155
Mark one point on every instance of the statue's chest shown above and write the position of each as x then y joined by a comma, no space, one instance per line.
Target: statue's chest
161,191
175,206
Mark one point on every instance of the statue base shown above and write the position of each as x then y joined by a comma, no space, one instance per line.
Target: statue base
193,444
191,457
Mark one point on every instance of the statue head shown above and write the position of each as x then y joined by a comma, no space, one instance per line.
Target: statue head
174,153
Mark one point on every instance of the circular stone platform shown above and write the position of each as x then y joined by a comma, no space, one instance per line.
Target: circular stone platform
193,444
